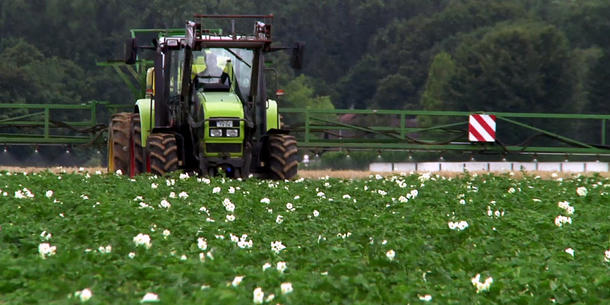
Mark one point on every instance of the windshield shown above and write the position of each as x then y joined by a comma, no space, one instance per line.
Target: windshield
209,64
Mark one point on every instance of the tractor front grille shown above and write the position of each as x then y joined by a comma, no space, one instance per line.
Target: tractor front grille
223,147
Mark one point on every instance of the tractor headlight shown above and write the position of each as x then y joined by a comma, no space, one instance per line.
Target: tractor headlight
215,132
233,133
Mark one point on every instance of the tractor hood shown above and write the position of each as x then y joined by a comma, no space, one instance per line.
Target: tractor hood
221,104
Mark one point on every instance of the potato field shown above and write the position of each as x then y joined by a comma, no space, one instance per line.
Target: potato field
97,238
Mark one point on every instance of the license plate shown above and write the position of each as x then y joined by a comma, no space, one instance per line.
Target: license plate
224,123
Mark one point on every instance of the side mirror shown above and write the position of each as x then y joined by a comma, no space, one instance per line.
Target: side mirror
296,61
131,51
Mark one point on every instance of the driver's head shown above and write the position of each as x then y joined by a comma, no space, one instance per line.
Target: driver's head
211,60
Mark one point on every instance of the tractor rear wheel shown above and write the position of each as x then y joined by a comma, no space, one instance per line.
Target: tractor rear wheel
283,160
119,143
163,153
138,151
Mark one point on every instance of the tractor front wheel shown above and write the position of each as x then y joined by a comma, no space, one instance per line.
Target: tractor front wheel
163,153
119,143
283,160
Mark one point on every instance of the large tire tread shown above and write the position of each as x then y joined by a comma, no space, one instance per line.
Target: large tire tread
163,153
119,139
140,165
283,156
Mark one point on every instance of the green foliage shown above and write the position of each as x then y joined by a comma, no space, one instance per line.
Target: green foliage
513,68
441,72
300,94
30,76
338,235
599,85
361,53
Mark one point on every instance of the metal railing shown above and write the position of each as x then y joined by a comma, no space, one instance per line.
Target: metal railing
54,124
551,133
317,129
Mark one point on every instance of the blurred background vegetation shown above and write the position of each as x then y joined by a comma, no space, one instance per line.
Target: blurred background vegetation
471,55
511,55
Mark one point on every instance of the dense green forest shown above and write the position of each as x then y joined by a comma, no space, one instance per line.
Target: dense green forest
511,55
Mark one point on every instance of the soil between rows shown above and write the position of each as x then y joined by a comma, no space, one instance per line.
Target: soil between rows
310,174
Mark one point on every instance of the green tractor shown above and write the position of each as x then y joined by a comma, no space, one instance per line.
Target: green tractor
206,108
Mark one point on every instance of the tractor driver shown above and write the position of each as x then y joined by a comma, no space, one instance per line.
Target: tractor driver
206,66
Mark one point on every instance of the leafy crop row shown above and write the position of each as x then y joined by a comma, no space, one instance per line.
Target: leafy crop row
104,239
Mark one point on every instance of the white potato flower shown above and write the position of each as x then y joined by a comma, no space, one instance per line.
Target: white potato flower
202,243
49,194
425,298
607,256
461,225
84,295
316,213
281,267
244,244
45,250
279,219
229,206
237,280
105,250
258,295
561,220
166,233
481,286
216,190
46,235
265,200
277,246
131,255
154,185
19,194
286,288
266,266
150,297
270,298
569,251
165,204
390,255
183,195
142,240
230,218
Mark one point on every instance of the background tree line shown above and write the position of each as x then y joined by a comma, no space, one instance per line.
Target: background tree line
511,55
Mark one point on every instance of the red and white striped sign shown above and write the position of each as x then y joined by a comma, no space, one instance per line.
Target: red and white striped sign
482,128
